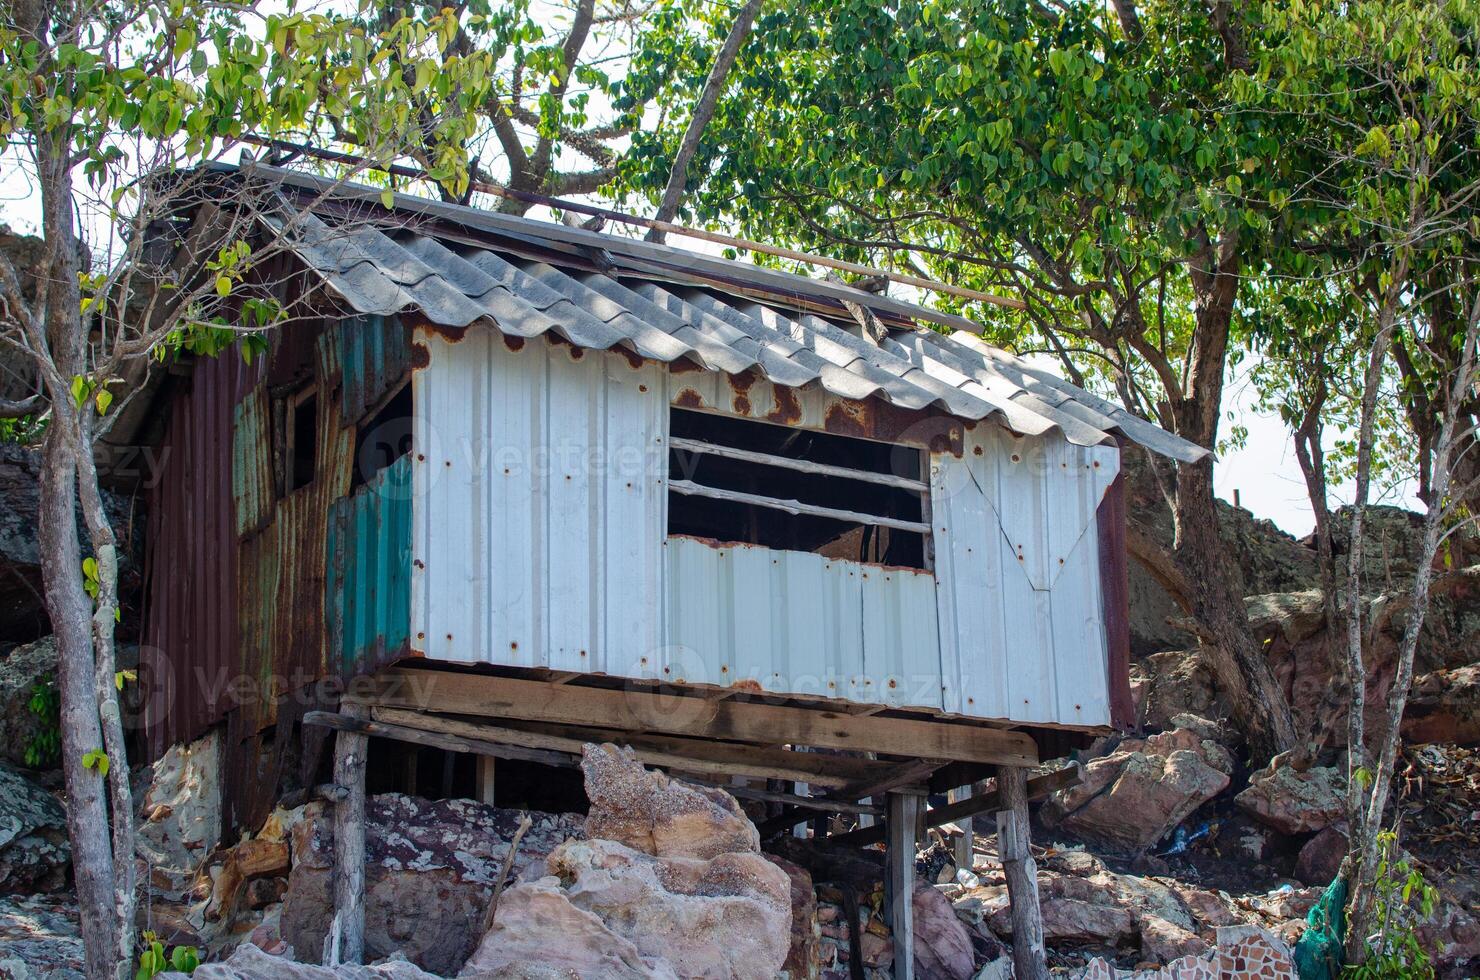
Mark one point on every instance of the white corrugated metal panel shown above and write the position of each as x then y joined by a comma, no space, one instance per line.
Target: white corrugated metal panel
798,623
1022,625
541,504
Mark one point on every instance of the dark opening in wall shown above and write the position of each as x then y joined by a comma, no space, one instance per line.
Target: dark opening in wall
384,438
738,480
303,437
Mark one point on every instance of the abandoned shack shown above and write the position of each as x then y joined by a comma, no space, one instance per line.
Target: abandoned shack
535,485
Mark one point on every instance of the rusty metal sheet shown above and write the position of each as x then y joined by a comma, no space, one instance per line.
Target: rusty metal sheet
369,559
374,358
251,461
190,633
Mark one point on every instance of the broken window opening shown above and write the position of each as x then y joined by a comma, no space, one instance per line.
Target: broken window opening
739,480
302,438
385,438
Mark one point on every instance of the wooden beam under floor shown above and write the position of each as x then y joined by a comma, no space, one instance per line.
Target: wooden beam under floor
746,721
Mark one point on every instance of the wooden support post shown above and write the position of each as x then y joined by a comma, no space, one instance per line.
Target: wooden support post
963,849
1013,837
484,781
349,839
902,814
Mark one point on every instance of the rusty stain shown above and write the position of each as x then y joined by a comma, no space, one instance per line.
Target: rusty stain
788,408
684,365
741,404
513,342
977,450
633,359
744,381
421,357
452,335
689,398
641,388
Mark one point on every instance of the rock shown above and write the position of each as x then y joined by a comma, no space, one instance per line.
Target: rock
251,962
1134,796
529,915
1444,706
942,944
40,938
429,872
1295,802
248,860
1321,856
21,671
34,852
803,957
262,892
1074,910
729,916
1177,682
647,811
180,811
1163,941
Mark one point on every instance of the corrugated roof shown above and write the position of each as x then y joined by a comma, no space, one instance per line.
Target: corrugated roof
645,303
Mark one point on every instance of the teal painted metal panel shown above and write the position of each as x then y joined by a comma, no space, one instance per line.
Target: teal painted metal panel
369,580
374,358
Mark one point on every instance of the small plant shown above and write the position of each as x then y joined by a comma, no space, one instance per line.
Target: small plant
1403,900
45,747
153,961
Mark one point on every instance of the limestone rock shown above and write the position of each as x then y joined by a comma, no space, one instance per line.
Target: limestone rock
40,938
180,811
1295,802
647,811
1138,793
20,671
34,852
429,872
1163,941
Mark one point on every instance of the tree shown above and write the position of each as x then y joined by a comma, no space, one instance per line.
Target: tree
114,109
1083,157
1389,96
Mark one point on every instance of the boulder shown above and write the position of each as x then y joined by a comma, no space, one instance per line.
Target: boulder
21,671
724,917
803,958
1293,801
1444,706
649,812
40,937
1163,941
942,945
1074,910
1320,858
34,852
1133,797
430,868
250,962
1176,682
180,811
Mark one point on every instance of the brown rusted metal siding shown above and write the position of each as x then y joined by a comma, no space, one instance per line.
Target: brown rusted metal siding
1115,597
190,625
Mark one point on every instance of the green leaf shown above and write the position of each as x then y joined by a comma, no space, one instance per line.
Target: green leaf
223,286
104,399
96,759
388,198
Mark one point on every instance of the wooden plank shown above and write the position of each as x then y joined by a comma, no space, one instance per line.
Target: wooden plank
799,465
1038,787
504,697
408,718
893,776
820,768
962,851
814,803
1028,957
483,781
436,741
349,839
902,817
690,488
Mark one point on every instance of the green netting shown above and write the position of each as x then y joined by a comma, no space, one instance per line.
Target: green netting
1320,953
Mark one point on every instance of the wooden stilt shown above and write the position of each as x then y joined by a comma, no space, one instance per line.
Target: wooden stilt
349,839
1013,836
485,779
963,852
902,815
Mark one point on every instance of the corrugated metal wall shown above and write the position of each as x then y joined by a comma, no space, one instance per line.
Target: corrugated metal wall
1017,556
540,477
369,559
540,541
